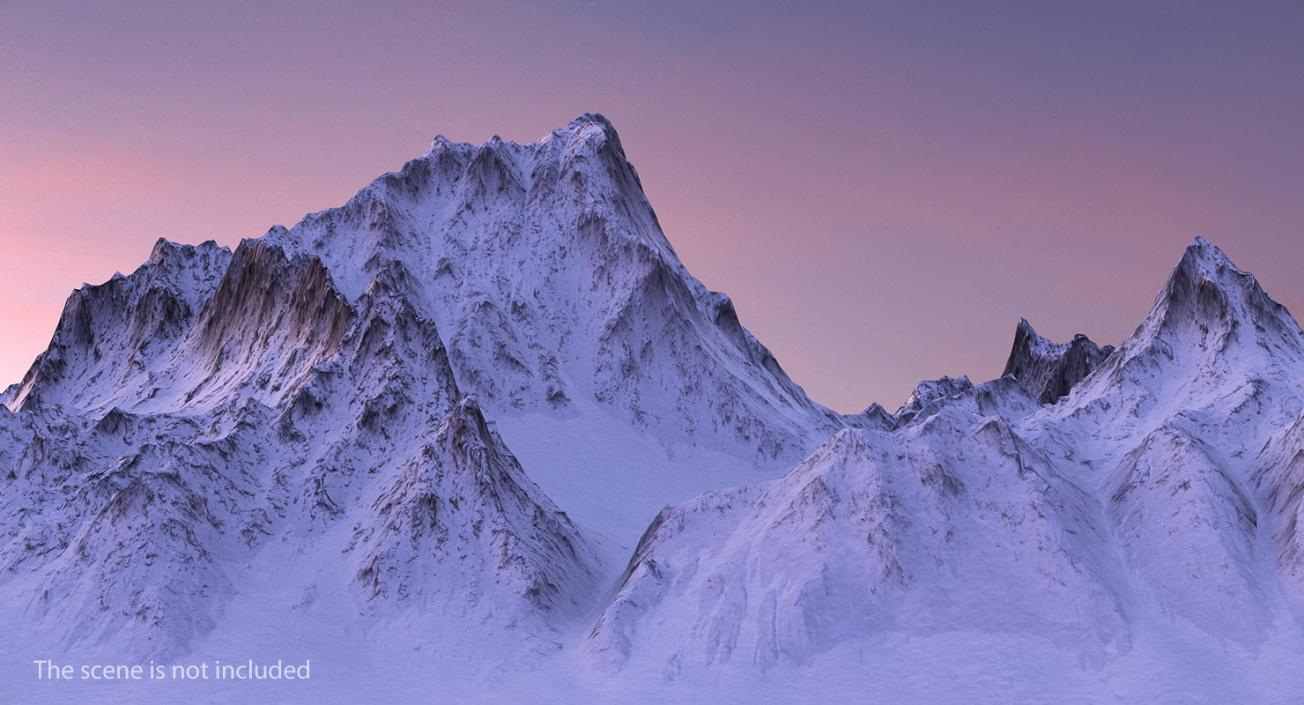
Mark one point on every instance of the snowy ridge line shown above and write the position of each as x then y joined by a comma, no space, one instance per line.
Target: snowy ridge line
481,417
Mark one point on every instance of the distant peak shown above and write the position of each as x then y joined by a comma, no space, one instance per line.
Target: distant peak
1048,370
932,390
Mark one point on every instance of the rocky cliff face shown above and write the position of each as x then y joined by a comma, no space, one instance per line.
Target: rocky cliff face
1048,371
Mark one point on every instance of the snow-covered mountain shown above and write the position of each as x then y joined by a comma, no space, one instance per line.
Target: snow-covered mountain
418,437
338,387
1155,497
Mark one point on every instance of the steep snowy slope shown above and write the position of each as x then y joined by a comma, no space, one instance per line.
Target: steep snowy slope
287,415
546,269
563,310
1160,497
465,485
1176,423
112,338
132,531
1278,480
929,528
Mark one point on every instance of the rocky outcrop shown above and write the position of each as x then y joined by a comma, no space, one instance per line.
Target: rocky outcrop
1048,370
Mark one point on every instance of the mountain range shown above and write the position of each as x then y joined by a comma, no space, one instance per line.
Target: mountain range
478,435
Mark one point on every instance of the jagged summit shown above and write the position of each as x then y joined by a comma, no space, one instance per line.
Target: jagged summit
165,250
542,264
1048,370
1206,289
546,260
108,333
583,122
930,392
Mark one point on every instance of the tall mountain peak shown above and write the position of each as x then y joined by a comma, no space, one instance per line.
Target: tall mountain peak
1209,305
302,376
1202,254
1212,329
1206,285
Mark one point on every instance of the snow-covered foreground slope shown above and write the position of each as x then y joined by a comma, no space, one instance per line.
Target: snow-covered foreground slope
416,439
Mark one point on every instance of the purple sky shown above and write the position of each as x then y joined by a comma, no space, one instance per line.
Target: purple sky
884,189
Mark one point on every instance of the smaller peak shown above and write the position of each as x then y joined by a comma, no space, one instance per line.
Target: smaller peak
846,443
931,390
1028,343
1048,370
442,145
495,147
874,416
166,253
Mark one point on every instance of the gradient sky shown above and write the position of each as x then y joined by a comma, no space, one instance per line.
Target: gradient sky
883,188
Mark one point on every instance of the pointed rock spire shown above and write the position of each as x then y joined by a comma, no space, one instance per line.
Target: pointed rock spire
1048,370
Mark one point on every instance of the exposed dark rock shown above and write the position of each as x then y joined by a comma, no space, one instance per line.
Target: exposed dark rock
1047,370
